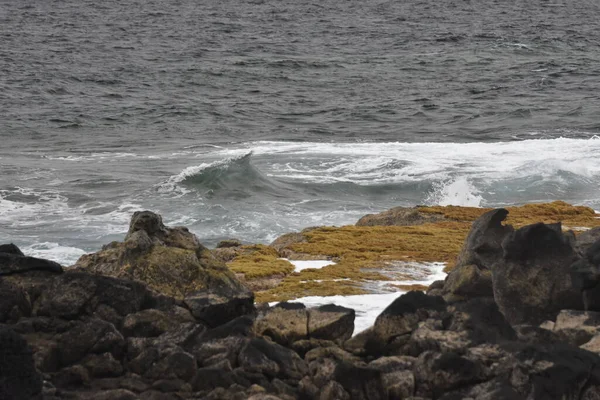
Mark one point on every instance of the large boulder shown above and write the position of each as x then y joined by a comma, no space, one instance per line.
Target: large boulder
483,245
532,281
472,275
13,261
173,262
585,273
287,323
394,326
18,376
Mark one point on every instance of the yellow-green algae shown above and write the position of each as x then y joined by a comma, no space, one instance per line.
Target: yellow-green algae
258,261
364,252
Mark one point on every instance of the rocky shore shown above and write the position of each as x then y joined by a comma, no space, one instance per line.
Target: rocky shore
160,316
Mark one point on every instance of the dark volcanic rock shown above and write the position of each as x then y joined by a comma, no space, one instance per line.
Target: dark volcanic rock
331,322
12,261
11,248
213,309
272,360
91,336
361,383
172,261
472,276
468,281
532,282
483,245
75,293
18,377
400,319
14,302
585,274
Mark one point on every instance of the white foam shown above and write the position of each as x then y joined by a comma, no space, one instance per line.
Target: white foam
65,255
300,265
455,192
23,206
369,306
396,162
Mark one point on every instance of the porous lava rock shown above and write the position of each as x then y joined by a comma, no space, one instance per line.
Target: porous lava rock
173,262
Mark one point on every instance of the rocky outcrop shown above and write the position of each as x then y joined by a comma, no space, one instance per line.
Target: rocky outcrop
19,378
472,275
77,334
532,281
585,272
288,323
400,216
173,262
13,261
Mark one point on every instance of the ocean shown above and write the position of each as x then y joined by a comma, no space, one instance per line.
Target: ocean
249,119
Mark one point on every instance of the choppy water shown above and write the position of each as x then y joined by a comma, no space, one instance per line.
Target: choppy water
249,119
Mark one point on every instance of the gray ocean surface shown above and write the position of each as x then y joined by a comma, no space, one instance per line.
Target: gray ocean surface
249,119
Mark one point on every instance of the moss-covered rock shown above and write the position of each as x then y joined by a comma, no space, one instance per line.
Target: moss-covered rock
171,261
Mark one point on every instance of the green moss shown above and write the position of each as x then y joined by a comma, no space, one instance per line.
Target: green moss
260,261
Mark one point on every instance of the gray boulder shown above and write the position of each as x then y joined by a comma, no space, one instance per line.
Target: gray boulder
532,281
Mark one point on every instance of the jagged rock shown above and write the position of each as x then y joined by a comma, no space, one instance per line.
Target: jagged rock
554,372
586,239
92,336
18,376
73,294
13,261
14,302
361,383
213,309
210,378
102,365
324,362
577,327
333,391
400,216
331,322
398,377
483,245
170,260
437,373
467,281
164,363
73,376
11,248
304,346
532,334
285,323
271,360
147,323
395,324
180,334
215,351
482,320
585,274
532,282
472,276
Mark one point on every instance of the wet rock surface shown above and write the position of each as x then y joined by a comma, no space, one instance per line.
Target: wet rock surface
487,332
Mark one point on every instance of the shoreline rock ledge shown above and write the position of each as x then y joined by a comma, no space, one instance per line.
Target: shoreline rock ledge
156,317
